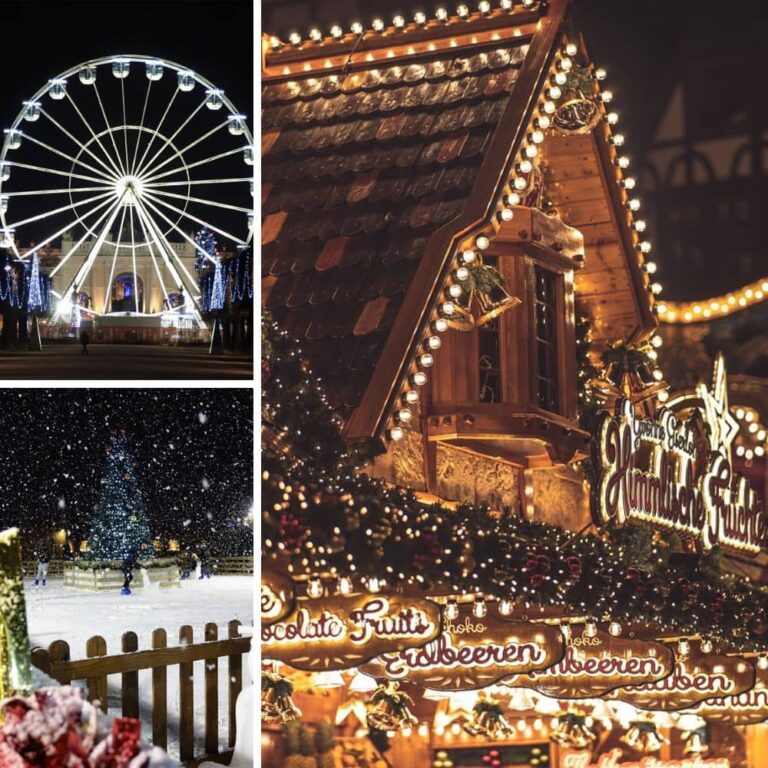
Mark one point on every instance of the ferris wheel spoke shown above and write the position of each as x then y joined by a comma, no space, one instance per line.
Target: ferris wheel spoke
170,139
54,211
148,240
133,263
141,127
79,143
71,224
153,185
73,160
125,127
60,191
151,169
150,218
156,132
201,200
68,174
202,222
205,161
118,159
108,287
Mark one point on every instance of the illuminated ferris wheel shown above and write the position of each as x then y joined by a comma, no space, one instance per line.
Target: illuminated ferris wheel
124,158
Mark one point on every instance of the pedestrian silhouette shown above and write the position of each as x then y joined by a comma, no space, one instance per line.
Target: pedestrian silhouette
85,340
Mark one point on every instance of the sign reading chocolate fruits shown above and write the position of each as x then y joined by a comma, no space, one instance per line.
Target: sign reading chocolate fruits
595,664
748,708
663,471
344,631
473,653
695,679
278,597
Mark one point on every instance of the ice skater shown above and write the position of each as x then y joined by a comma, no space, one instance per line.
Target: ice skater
43,554
204,556
127,568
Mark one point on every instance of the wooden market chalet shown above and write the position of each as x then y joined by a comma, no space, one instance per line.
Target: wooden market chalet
451,234
384,171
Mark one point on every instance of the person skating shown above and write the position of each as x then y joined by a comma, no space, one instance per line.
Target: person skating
204,556
129,563
43,555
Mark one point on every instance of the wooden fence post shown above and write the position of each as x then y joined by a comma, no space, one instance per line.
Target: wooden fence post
130,680
211,695
186,700
97,686
58,650
160,694
235,670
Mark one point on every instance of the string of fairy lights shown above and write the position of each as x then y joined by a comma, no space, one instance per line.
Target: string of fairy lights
675,312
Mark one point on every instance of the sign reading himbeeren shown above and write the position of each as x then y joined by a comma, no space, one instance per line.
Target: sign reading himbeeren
695,679
662,471
748,708
344,631
473,653
595,664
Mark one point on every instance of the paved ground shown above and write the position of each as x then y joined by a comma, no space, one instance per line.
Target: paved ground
123,361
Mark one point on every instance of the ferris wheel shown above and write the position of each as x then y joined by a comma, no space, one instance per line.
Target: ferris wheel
124,158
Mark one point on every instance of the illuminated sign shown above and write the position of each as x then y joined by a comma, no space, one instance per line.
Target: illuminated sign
594,665
277,596
344,631
473,653
612,759
661,471
748,708
695,679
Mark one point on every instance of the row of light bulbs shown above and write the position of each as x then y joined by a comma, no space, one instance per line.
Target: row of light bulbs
752,427
720,306
345,586
518,182
399,22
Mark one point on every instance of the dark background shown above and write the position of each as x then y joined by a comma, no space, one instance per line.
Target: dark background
44,37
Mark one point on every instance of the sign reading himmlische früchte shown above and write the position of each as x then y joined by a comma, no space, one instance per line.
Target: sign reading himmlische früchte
748,708
472,653
662,471
340,632
696,678
594,664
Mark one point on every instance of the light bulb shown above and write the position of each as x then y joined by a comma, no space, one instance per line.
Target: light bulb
398,21
520,183
336,31
600,73
762,661
482,242
440,325
315,35
419,378
634,204
537,137
645,247
447,308
506,214
543,122
294,38
479,608
513,198
315,587
525,166
426,360
462,273
451,610
375,584
614,629
356,27
455,290
484,7
345,585
405,415
549,107
420,17
629,182
706,646
505,607
378,25
411,396
566,631
396,433
462,11
618,139
468,256
434,342
571,49
590,629
656,341
607,96
441,14
683,648
623,162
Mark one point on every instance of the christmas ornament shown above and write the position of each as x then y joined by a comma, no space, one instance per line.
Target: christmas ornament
488,721
572,730
276,703
389,709
578,111
643,736
696,740
483,297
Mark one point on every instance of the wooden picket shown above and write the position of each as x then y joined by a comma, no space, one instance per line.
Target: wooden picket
56,661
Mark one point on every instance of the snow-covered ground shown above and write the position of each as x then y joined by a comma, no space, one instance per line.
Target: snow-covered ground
58,613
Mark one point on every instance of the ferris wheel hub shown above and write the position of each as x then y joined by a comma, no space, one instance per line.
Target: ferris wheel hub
128,189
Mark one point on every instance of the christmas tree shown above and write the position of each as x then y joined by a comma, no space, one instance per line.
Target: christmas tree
120,529
206,242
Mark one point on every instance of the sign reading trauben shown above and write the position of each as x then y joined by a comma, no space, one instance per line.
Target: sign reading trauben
344,631
473,653
598,663
685,486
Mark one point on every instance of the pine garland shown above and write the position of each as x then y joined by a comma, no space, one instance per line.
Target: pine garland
323,516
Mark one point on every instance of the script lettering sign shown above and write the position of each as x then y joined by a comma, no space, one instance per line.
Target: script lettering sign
661,471
613,759
341,632
278,596
695,679
473,653
595,665
748,708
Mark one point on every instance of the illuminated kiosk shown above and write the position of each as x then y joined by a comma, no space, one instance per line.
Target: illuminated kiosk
117,162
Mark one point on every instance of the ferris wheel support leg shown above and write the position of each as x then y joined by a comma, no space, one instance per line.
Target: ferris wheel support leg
168,254
154,261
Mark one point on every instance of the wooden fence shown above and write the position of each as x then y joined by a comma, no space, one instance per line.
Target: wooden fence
56,662
223,565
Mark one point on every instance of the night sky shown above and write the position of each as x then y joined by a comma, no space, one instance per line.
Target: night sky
193,450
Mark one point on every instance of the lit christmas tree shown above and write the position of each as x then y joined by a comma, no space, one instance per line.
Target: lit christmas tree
217,291
120,529
35,300
206,243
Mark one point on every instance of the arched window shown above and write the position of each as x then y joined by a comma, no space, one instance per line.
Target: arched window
127,297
